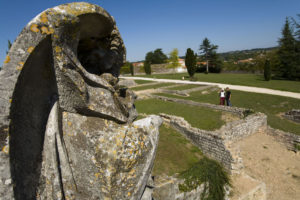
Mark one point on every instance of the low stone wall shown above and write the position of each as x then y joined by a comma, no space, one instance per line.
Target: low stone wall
214,143
293,115
242,112
290,140
237,130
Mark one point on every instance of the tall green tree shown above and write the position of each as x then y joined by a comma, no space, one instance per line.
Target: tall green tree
297,38
191,62
148,62
173,59
208,52
287,66
267,70
147,67
131,68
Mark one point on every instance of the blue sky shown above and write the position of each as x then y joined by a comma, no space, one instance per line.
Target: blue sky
149,24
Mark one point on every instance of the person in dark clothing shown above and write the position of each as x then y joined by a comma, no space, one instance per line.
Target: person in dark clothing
228,97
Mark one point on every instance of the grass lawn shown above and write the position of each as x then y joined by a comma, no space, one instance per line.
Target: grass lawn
203,118
271,105
237,79
145,87
142,81
174,153
183,87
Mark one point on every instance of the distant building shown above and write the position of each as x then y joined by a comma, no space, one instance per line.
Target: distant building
182,67
249,60
137,64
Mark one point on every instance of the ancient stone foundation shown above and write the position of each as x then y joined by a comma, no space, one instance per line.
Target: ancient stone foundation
214,144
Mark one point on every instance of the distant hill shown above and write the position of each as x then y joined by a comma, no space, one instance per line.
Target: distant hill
242,54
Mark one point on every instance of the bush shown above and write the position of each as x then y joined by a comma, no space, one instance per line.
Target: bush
206,171
125,69
212,69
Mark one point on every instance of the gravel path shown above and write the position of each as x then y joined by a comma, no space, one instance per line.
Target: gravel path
221,85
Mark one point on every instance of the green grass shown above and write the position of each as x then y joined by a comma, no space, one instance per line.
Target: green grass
203,118
271,105
184,87
158,85
175,153
237,79
142,81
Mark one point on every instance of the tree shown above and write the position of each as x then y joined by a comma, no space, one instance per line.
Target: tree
159,57
191,62
297,38
267,70
173,59
287,54
156,57
147,67
208,51
148,62
125,69
131,69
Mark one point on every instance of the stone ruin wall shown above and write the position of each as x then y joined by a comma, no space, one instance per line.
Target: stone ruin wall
214,143
287,139
155,69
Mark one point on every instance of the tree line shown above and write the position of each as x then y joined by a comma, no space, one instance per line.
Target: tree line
282,62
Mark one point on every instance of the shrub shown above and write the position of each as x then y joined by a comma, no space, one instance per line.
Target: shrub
209,172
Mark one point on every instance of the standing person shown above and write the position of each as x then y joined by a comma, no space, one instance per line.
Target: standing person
222,97
228,97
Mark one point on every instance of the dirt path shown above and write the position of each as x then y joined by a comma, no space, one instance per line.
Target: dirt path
233,87
268,161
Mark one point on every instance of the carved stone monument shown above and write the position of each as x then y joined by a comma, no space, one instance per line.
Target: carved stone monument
66,129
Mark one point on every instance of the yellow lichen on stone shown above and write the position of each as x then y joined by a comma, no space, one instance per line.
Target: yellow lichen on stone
69,123
91,107
97,175
44,30
51,31
82,8
34,28
44,17
19,68
129,194
65,114
30,49
57,49
7,59
5,149
118,142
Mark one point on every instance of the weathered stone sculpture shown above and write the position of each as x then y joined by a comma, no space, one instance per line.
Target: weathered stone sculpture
66,129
